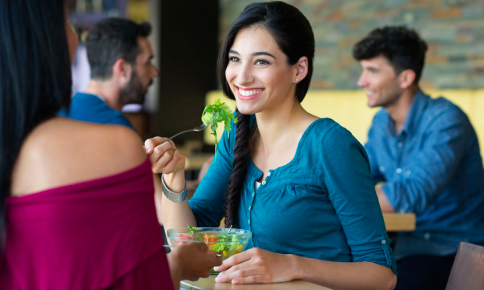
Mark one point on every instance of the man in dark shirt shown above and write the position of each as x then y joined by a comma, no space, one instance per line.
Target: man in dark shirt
427,153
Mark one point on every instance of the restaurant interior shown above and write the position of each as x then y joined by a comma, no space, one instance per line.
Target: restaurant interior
185,49
186,39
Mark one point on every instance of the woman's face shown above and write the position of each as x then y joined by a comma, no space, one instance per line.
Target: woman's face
258,73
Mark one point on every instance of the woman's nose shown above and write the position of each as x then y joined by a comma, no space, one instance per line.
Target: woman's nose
245,75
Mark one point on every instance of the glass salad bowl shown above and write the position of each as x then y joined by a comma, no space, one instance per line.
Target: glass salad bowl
224,241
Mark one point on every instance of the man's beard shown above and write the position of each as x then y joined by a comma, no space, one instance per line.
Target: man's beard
133,92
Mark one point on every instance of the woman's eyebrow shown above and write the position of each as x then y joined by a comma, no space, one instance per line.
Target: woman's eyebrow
254,54
263,53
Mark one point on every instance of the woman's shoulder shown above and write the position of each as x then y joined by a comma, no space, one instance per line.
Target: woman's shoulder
326,129
63,151
326,136
101,140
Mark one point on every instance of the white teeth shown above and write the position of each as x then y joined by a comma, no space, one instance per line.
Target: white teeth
249,93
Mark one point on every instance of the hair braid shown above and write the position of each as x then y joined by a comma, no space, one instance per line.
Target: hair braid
241,153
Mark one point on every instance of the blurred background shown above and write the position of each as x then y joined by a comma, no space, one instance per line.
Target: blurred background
187,35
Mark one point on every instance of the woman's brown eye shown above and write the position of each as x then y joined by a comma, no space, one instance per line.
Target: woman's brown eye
261,62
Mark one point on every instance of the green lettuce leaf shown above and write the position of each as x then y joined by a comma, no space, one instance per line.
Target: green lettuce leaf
217,113
233,247
192,230
219,247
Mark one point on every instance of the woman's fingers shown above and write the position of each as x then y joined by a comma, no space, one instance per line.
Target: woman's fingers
235,260
197,260
165,158
248,280
152,143
160,162
262,267
243,271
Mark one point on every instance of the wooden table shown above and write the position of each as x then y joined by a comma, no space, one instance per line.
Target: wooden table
209,283
395,222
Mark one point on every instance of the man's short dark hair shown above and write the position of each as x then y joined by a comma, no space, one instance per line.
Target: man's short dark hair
402,46
111,39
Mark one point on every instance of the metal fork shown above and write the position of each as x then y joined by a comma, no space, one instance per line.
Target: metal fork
196,129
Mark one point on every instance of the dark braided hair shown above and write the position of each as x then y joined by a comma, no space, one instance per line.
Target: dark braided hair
294,36
239,164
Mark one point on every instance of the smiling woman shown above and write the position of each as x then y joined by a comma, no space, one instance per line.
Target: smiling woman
300,184
258,73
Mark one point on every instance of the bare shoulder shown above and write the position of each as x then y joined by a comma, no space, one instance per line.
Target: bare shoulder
62,151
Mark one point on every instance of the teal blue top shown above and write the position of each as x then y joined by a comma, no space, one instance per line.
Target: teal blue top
320,205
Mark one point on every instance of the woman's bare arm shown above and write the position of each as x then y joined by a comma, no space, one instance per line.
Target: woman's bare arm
166,159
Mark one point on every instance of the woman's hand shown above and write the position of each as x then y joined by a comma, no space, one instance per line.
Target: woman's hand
256,266
195,260
164,158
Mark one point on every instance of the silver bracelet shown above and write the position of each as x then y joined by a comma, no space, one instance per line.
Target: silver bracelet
176,197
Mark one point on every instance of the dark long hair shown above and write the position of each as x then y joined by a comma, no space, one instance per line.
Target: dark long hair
294,36
35,77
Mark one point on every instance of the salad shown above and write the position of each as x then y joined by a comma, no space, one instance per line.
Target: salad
217,113
226,243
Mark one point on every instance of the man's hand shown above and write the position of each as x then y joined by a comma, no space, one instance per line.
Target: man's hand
164,158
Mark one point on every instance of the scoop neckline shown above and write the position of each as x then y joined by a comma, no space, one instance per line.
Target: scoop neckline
298,148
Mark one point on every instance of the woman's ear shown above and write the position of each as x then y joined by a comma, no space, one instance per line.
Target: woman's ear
301,69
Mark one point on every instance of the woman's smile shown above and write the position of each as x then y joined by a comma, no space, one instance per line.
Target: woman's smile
247,94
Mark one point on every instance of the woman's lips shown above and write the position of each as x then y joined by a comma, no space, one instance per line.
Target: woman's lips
248,94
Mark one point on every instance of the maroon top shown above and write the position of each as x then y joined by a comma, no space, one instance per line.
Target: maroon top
97,234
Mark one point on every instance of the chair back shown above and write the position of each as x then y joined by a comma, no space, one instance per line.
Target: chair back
468,268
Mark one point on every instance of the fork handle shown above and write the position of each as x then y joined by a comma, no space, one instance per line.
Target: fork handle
186,131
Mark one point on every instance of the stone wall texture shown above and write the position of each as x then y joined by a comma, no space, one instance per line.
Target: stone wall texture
453,30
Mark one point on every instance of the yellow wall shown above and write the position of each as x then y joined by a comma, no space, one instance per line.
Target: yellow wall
349,109
138,10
